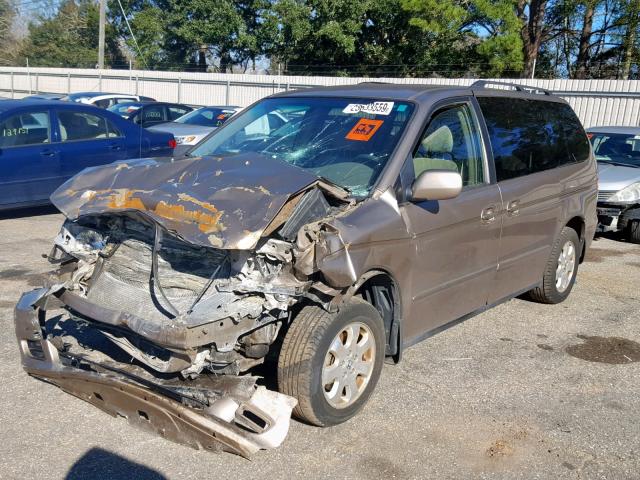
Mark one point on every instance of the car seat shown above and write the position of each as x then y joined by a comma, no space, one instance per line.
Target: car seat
435,152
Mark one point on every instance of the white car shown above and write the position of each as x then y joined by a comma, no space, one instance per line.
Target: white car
192,127
105,100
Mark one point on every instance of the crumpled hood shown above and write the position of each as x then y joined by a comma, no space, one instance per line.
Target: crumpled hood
616,177
223,202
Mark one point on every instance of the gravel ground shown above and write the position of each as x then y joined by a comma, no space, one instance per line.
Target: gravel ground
521,391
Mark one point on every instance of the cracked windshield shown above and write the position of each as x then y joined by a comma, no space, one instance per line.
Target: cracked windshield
347,141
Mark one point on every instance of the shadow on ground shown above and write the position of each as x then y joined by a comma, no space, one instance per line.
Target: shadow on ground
615,236
28,212
99,463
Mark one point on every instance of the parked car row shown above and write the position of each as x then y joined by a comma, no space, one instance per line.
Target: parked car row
47,138
104,100
44,143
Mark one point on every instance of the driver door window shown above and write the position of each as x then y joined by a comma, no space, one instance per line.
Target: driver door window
452,142
84,126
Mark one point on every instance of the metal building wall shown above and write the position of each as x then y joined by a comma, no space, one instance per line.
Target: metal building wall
597,102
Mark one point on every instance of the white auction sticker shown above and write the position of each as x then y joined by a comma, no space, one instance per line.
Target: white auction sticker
375,108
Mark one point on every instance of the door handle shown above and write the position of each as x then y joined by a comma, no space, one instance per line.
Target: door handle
513,207
115,146
47,153
488,215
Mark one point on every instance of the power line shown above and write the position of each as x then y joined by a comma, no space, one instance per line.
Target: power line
132,35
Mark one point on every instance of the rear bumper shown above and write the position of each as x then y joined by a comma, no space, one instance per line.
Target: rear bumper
213,428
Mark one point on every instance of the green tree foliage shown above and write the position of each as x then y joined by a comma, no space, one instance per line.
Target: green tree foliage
450,38
69,38
480,37
8,42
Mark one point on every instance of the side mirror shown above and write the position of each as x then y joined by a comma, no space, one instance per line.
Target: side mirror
436,185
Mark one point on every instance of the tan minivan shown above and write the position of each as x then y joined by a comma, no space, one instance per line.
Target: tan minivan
313,235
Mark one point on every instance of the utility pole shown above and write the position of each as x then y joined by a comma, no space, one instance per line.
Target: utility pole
101,34
533,68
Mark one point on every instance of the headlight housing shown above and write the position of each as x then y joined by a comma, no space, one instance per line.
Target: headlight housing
185,139
629,193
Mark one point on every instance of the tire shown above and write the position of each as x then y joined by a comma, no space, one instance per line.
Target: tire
306,350
633,232
548,291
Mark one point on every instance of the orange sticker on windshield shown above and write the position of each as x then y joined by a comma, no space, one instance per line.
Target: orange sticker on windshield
364,129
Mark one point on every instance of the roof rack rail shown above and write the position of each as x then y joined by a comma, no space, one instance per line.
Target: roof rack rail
518,87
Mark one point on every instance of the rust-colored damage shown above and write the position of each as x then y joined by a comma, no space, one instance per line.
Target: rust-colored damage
121,199
207,217
217,201
207,223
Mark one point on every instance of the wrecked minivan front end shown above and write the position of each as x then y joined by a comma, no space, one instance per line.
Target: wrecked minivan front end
164,299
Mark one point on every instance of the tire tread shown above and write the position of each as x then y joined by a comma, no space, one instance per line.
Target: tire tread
634,231
298,348
546,292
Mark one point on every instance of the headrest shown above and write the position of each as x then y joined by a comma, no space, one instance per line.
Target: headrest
439,141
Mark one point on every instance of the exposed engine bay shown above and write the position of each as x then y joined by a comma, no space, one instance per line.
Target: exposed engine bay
158,318
196,308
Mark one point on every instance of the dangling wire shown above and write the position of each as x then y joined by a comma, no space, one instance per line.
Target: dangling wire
206,287
155,281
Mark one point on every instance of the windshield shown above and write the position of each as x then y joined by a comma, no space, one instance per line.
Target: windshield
345,140
206,117
124,109
616,148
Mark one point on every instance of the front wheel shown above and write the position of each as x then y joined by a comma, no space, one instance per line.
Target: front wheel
561,269
331,362
634,231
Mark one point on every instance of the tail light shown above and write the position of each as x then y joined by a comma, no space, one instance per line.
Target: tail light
172,143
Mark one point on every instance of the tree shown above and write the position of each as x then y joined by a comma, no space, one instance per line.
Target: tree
533,32
584,45
8,41
156,45
501,47
481,37
212,28
69,38
631,10
453,38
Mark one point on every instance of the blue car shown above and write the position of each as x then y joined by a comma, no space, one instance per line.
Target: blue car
43,143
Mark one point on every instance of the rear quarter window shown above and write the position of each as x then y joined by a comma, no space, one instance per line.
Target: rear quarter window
76,125
530,136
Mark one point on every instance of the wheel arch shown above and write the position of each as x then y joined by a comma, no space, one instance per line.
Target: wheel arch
577,223
380,288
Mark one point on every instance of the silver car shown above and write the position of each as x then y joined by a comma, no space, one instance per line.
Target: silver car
617,150
194,126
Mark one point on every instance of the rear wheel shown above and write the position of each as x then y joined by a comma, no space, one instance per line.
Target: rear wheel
561,269
633,232
331,362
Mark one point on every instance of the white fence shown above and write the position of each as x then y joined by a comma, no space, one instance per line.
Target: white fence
597,102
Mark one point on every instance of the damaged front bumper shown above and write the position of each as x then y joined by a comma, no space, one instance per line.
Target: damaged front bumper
231,414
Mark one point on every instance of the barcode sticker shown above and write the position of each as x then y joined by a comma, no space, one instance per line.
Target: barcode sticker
375,108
